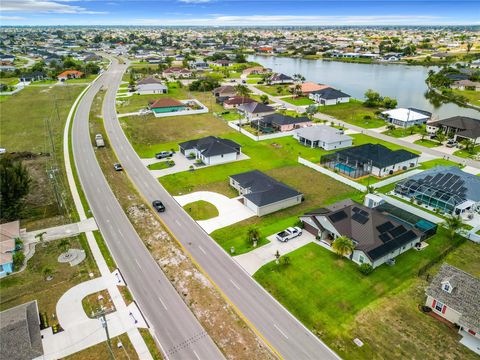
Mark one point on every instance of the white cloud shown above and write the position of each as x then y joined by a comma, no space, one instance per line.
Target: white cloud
44,6
195,1
11,18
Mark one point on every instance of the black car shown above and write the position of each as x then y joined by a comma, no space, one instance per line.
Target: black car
158,205
163,154
117,167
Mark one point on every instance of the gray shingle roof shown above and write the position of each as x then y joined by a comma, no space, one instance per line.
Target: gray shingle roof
467,126
212,146
465,295
330,93
322,133
280,119
256,108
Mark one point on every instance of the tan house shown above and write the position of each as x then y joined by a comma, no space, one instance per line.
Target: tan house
466,85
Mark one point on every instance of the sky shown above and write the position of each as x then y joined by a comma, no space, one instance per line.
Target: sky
239,12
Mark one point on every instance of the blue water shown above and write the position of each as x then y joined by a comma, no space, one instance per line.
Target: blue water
345,168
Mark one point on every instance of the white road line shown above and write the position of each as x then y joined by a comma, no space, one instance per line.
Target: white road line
178,222
162,302
238,287
201,249
196,355
138,264
281,332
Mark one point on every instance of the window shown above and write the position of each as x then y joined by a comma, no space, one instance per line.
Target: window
439,306
361,259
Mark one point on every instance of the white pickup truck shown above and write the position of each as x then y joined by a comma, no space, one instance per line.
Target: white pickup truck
99,140
290,233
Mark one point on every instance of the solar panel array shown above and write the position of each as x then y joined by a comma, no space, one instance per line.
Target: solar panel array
445,181
360,218
340,215
385,227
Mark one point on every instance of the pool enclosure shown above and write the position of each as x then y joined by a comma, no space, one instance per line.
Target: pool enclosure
346,165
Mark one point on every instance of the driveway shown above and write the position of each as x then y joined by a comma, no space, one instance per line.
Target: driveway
230,211
255,259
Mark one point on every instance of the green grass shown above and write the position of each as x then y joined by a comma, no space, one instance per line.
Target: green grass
158,165
465,154
231,115
253,81
104,250
9,81
427,143
300,101
85,79
201,210
152,347
438,162
472,96
327,293
273,89
402,132
355,113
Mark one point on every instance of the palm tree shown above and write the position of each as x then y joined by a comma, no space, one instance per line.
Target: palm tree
453,223
243,91
47,273
277,257
343,246
64,245
441,137
297,90
253,235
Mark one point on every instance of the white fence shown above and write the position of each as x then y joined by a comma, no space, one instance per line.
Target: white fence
19,87
234,125
203,110
396,178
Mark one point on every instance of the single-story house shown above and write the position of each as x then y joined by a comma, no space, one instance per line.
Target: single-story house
165,105
151,85
457,77
377,237
235,101
211,150
329,96
177,72
70,74
280,122
255,70
255,110
323,136
466,85
308,87
263,194
33,76
462,126
20,336
405,118
92,58
374,159
199,65
279,78
446,188
223,63
224,91
8,233
454,295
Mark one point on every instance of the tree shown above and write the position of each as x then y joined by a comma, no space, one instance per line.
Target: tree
18,259
469,146
277,257
469,47
297,90
440,136
343,246
14,187
47,273
373,98
389,103
453,223
285,260
253,236
242,90
64,245
264,99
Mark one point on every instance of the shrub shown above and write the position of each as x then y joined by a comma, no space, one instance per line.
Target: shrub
365,269
18,259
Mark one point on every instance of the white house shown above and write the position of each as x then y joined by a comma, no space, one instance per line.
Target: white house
405,118
329,96
151,85
211,150
323,136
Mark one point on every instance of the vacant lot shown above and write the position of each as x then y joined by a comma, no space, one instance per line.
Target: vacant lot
299,101
355,113
402,132
275,90
101,351
201,210
330,296
472,96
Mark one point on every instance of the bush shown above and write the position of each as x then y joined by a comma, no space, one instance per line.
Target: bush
18,259
365,269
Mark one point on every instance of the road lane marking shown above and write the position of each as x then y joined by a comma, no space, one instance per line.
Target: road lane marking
196,355
201,249
162,302
238,287
280,331
178,222
138,264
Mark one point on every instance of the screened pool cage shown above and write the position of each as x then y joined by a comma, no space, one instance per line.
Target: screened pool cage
346,165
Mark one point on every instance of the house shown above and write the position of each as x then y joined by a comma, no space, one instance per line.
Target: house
235,101
70,74
255,70
263,194
92,58
151,85
462,127
211,150
33,76
377,236
224,91
177,72
405,118
8,233
446,188
323,136
223,63
20,336
373,159
466,85
457,77
329,96
280,122
454,295
165,105
255,110
265,49
309,87
199,65
279,78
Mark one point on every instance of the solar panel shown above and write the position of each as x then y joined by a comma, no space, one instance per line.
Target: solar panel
385,237
363,212
385,227
397,231
355,209
338,216
360,218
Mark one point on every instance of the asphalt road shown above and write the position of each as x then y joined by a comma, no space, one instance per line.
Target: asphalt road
175,327
283,331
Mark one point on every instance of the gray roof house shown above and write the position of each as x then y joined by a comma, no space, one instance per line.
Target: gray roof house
255,110
323,136
455,295
263,194
211,150
20,336
464,127
151,85
329,96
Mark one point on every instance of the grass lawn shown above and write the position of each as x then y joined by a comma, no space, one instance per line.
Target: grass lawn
299,101
427,143
472,95
360,139
159,165
253,81
275,90
332,298
464,154
101,351
201,210
85,79
438,162
9,81
230,115
355,113
401,132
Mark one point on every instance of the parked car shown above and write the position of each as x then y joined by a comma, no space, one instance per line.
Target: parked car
158,205
99,140
244,81
451,143
117,167
288,234
163,154
233,80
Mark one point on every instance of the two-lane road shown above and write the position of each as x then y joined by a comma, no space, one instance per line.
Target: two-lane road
275,324
176,329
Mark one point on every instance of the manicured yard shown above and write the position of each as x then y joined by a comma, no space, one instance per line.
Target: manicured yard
427,143
159,165
10,81
230,115
201,210
472,95
402,132
465,154
275,90
438,162
355,113
82,80
332,298
299,101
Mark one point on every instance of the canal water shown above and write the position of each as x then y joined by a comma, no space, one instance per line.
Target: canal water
402,82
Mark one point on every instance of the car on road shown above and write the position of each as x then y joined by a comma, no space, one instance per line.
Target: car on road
158,205
118,167
163,154
288,234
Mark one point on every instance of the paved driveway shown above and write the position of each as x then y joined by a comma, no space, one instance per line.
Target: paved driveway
230,211
255,259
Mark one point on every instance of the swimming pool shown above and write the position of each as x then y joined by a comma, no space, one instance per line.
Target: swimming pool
345,168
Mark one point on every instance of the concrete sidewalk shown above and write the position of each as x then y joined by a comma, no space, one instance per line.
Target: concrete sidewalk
60,232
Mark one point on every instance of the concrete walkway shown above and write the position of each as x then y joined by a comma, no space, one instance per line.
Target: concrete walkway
60,232
230,211
255,259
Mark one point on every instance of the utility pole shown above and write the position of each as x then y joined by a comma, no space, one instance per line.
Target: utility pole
101,316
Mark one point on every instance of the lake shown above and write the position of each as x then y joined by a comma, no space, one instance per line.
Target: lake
402,82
